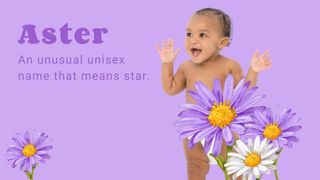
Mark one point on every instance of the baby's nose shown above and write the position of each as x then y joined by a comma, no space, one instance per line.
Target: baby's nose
193,40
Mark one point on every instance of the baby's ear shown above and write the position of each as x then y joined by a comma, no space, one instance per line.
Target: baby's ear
223,42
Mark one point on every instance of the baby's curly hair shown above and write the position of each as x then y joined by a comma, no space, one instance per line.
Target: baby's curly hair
223,18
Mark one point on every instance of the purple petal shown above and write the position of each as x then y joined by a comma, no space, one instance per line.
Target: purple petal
204,93
227,135
186,134
288,145
191,144
208,141
191,113
17,160
228,88
237,91
292,139
14,149
193,127
189,121
242,119
21,139
255,126
242,92
217,144
41,140
293,121
239,129
292,129
17,142
202,134
250,111
253,131
287,134
27,137
196,108
25,165
275,143
46,148
250,103
45,156
247,96
276,113
202,102
282,141
217,90
284,118
261,120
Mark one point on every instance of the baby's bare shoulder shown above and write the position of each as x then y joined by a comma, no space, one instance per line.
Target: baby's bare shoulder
231,63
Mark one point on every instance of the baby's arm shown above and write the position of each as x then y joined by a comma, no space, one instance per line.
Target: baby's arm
172,84
258,64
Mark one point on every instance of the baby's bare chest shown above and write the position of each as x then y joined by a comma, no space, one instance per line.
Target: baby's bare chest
206,75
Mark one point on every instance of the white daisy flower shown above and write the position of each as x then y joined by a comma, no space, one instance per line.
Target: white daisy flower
251,159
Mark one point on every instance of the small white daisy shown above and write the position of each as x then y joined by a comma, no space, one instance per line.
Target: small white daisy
251,159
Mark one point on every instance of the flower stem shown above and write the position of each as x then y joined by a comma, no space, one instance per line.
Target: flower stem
226,174
30,175
276,164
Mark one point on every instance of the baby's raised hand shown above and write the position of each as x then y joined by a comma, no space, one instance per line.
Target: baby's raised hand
167,52
261,62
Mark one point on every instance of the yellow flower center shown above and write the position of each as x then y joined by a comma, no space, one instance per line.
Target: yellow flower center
222,114
29,150
272,131
253,160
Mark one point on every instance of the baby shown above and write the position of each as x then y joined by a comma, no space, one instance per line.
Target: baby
208,32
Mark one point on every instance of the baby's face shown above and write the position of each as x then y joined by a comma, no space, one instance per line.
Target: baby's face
203,37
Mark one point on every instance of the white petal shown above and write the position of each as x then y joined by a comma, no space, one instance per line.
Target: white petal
250,144
237,155
243,147
250,175
235,147
271,166
273,157
267,148
256,143
264,169
243,170
269,153
267,162
234,163
263,144
256,171
235,169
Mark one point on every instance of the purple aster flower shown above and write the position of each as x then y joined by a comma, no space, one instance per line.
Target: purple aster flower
217,114
28,151
278,127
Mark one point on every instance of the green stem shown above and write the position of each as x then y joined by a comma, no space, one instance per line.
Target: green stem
276,164
276,174
226,174
30,175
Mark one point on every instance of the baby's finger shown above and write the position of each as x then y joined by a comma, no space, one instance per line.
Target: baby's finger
176,52
170,46
265,54
165,44
255,54
158,48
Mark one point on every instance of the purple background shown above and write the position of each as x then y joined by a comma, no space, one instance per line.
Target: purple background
123,129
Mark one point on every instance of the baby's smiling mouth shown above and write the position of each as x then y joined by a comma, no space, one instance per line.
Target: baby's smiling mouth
195,51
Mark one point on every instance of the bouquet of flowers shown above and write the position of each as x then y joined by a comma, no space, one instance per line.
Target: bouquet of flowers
218,114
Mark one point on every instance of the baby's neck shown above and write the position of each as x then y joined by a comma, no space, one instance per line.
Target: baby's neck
213,58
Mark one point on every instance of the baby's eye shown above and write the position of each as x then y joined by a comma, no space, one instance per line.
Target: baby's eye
189,34
202,35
